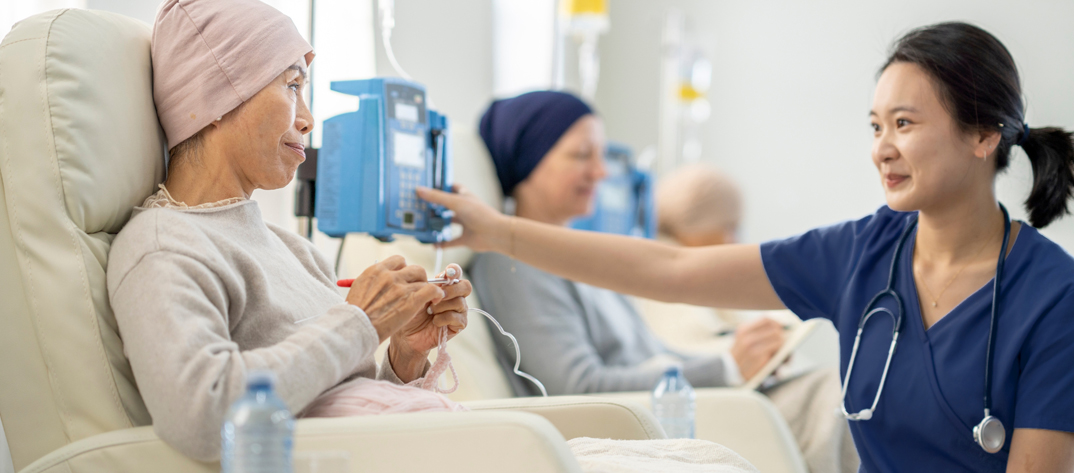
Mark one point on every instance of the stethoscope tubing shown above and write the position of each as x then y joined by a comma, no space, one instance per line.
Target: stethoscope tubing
994,324
870,309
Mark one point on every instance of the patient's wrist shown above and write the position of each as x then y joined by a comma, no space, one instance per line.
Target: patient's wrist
407,363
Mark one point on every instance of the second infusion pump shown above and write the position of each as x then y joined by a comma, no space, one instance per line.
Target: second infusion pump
372,160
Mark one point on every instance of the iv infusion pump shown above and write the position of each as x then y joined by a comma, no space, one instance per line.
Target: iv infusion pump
372,160
624,201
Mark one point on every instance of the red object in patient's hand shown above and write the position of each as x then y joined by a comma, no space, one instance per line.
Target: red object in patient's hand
350,282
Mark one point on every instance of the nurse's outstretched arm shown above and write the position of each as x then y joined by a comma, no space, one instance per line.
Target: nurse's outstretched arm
729,276
1038,450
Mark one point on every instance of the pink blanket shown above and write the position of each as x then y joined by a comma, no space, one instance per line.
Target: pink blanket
364,396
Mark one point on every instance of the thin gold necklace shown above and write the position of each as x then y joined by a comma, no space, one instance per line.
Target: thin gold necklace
935,300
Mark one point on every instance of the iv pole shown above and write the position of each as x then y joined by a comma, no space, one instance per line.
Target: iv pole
307,171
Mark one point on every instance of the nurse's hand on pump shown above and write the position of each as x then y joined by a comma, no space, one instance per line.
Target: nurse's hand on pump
755,343
484,228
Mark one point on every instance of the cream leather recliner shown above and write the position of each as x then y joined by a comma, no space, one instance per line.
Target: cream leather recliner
79,147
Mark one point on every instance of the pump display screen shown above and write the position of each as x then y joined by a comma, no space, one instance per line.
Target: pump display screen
409,149
405,104
405,111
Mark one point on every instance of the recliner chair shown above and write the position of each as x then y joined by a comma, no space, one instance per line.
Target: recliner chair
79,147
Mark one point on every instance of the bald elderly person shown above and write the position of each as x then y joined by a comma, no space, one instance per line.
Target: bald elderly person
697,205
203,289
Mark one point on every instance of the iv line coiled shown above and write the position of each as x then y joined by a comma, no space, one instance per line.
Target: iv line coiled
518,352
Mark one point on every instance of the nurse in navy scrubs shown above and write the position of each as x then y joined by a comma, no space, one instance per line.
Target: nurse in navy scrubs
946,114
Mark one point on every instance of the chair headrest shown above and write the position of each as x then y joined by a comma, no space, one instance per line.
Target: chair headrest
99,125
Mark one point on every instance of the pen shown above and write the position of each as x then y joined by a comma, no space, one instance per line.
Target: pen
731,331
349,282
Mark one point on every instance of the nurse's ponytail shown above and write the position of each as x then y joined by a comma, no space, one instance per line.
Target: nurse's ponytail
979,85
1051,153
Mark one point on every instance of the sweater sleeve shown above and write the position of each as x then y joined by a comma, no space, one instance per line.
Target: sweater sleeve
547,317
172,313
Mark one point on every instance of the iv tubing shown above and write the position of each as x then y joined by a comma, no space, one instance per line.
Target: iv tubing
518,353
387,23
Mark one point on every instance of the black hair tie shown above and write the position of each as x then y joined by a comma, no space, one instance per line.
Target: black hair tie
1025,134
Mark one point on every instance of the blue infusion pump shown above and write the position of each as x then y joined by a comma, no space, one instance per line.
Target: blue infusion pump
371,161
624,201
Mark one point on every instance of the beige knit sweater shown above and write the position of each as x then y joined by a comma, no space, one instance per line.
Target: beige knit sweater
203,295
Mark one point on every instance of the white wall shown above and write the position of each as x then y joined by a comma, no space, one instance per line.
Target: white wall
522,49
144,10
793,84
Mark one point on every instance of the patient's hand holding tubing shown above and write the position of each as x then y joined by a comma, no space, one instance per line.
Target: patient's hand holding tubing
432,326
390,293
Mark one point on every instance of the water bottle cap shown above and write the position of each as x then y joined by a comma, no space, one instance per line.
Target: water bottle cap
260,379
673,370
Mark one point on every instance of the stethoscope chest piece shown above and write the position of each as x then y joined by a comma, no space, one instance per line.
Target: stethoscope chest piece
990,434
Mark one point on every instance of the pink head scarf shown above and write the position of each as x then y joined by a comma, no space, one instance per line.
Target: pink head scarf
210,56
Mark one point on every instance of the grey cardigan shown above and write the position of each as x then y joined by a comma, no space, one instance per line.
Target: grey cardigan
576,338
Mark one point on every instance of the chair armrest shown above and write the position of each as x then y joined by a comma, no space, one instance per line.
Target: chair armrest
126,450
744,421
584,416
443,442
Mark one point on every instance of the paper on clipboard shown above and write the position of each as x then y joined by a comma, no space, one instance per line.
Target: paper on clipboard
795,337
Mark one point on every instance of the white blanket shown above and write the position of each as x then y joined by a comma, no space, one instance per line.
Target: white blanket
653,456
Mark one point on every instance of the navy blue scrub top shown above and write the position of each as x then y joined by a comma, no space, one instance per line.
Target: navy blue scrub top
934,393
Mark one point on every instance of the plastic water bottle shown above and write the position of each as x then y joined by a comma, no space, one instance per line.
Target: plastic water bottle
674,403
258,430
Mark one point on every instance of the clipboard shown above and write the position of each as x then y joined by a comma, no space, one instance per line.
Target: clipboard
795,337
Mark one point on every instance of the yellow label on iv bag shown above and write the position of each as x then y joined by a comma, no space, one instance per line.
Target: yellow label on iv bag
688,93
584,7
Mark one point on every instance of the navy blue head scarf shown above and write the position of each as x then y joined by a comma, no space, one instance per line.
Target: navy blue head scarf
519,131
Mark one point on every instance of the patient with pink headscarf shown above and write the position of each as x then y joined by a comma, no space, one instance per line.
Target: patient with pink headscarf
204,290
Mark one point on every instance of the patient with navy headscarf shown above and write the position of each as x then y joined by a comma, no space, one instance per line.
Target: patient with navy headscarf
548,151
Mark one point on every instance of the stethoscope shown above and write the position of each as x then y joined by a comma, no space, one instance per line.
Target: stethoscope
989,434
